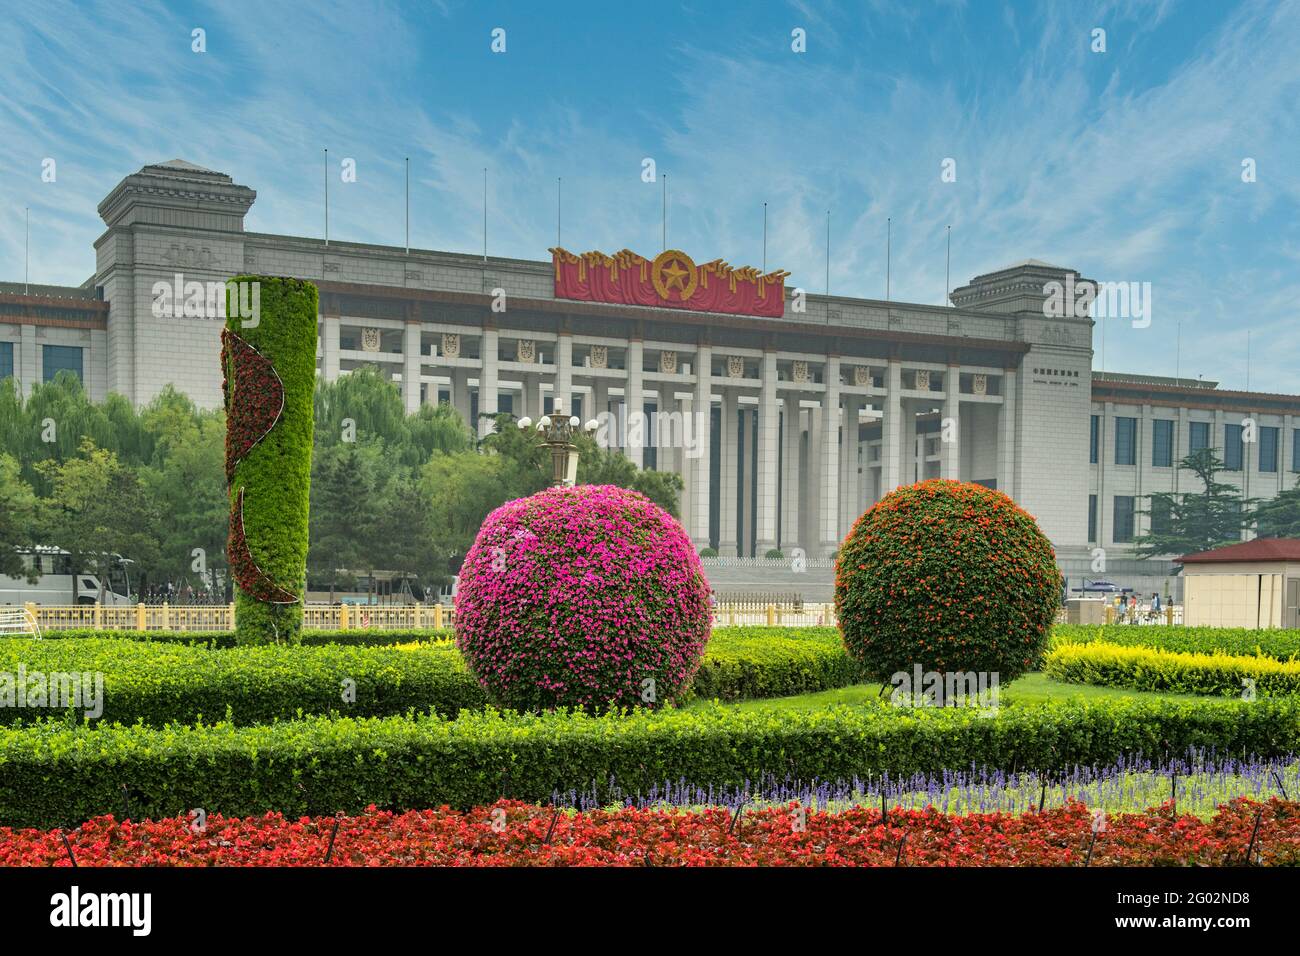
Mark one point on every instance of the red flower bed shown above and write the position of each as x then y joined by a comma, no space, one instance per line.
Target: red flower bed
518,834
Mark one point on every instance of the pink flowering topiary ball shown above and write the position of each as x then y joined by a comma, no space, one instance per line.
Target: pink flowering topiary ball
589,597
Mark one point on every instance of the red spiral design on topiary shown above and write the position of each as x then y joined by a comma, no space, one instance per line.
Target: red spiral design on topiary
256,402
253,407
253,581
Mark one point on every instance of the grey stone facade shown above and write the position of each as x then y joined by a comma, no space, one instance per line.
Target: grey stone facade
808,419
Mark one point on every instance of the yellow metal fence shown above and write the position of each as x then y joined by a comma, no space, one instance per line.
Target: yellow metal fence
221,617
334,617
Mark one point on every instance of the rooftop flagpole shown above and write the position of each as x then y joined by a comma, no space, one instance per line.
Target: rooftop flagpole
665,216
828,260
327,196
947,272
889,244
408,205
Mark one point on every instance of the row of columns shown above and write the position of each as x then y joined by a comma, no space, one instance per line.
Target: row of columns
815,509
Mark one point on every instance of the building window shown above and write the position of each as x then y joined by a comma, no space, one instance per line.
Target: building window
6,360
1122,529
1295,449
1126,441
58,358
1232,456
1092,517
1198,436
1268,448
1162,443
1094,439
1161,518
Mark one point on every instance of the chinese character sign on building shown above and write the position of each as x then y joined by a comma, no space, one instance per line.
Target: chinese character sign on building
670,280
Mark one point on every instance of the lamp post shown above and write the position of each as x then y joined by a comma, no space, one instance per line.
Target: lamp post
557,433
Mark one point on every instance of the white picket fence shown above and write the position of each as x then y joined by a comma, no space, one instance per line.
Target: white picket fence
18,621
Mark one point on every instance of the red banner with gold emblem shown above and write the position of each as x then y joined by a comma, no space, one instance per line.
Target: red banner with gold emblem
670,280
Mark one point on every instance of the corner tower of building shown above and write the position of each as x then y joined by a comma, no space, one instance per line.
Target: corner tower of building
168,220
1052,389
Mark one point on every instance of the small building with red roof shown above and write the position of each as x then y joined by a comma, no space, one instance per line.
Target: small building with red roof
1253,584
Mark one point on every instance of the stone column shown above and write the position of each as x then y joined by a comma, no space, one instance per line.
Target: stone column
745,444
810,482
29,359
1007,443
634,402
728,481
689,434
699,525
950,427
909,469
850,496
460,397
792,443
891,452
563,393
830,458
666,451
1285,450
411,365
768,458
330,348
534,402
599,400
487,382
1180,435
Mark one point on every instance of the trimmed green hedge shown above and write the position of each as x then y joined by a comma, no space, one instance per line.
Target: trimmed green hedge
742,663
53,774
1144,668
1278,643
161,683
359,637
164,681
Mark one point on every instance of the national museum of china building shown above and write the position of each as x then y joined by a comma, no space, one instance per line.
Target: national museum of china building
816,406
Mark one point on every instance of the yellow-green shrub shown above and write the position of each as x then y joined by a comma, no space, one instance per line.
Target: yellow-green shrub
1144,668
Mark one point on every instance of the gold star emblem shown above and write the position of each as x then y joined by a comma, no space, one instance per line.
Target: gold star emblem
674,271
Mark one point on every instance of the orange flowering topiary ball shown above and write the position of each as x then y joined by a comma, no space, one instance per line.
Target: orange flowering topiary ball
949,575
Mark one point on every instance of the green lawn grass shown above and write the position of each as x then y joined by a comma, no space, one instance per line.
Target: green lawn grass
1033,688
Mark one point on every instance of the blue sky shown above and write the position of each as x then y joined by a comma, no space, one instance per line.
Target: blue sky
1125,164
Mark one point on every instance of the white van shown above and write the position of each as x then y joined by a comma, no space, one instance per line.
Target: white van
54,586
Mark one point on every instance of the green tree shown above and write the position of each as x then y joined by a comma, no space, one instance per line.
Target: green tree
462,489
361,406
1279,517
342,513
188,488
407,539
1188,522
97,510
18,520
603,466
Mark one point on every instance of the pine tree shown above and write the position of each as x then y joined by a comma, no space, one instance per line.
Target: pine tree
1188,522
1279,517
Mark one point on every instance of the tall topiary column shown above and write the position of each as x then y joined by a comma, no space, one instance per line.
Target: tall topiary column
268,357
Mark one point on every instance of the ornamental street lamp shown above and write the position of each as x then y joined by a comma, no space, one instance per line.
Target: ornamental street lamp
557,434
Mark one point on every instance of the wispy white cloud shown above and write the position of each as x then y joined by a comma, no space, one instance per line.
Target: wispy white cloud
1125,165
